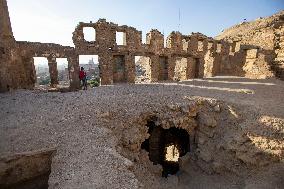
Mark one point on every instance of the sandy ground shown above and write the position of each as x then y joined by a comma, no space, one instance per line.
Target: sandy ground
86,148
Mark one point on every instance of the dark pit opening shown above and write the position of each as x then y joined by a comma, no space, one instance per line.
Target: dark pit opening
165,146
27,170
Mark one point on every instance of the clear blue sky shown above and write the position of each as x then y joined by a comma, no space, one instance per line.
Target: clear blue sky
55,20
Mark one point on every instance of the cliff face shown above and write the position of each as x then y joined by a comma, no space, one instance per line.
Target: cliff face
265,33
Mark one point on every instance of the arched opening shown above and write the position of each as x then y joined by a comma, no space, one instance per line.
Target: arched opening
166,146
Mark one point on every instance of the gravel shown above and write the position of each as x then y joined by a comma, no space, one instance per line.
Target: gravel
76,123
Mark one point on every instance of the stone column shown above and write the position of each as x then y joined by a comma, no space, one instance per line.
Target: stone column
190,71
30,72
171,67
106,70
52,64
181,66
224,59
209,59
74,69
193,44
130,68
154,64
217,59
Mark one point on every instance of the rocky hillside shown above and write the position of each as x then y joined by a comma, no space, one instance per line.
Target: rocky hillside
266,33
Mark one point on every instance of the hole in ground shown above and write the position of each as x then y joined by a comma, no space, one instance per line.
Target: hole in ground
27,170
166,146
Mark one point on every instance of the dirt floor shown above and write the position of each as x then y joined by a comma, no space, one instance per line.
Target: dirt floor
77,125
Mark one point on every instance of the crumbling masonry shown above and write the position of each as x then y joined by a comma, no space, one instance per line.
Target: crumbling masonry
184,57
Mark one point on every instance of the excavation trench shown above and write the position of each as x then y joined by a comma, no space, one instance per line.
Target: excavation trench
166,146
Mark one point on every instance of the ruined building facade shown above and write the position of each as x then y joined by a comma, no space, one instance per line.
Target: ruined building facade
183,57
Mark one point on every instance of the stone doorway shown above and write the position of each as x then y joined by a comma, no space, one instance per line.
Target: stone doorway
119,75
197,65
90,63
42,72
163,68
142,69
63,72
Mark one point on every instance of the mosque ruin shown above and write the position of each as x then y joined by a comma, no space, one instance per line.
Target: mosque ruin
184,56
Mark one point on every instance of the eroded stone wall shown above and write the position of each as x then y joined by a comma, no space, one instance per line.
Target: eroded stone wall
16,58
223,139
266,34
182,57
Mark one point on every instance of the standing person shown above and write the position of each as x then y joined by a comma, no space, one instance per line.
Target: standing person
83,78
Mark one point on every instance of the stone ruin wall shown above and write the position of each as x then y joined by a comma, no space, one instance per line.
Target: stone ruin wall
181,54
51,52
184,57
267,35
16,58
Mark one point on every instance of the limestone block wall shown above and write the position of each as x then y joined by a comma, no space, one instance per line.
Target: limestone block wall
181,68
209,59
256,66
191,68
263,33
278,63
106,69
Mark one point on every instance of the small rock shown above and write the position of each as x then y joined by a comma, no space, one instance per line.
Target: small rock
173,107
217,108
185,109
105,115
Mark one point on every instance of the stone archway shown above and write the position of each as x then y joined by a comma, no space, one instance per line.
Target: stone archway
166,146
